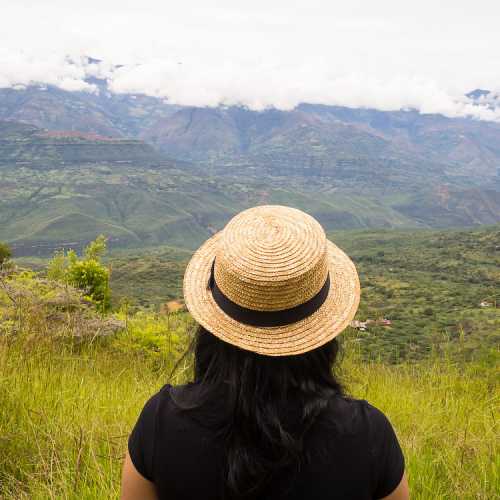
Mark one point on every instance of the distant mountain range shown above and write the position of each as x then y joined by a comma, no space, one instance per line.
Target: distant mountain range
317,140
351,146
23,144
102,113
73,164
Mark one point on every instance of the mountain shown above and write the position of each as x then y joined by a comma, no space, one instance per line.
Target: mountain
101,113
345,144
52,198
23,144
145,172
64,188
350,146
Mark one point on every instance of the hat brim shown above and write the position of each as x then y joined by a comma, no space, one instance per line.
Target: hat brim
327,322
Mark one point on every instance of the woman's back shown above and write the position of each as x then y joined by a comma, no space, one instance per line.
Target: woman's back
265,416
351,451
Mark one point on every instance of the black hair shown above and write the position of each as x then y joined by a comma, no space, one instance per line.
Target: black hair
261,393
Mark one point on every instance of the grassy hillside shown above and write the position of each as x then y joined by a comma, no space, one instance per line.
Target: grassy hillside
135,206
60,188
429,284
68,400
143,206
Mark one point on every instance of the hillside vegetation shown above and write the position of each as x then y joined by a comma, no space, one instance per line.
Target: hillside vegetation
70,394
74,165
429,284
434,286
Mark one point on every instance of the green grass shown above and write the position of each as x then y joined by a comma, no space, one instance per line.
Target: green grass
65,414
68,403
67,397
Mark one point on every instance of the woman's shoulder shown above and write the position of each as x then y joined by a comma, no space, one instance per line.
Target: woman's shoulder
360,407
367,410
373,427
349,406
170,400
150,408
382,442
358,415
160,395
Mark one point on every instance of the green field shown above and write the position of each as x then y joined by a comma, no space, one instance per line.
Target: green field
67,406
72,380
429,284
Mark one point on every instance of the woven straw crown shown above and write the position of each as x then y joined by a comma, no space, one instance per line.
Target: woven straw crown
270,260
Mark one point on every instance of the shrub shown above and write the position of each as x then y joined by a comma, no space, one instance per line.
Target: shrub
86,273
5,253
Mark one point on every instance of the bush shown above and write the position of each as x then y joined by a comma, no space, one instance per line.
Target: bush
86,273
5,253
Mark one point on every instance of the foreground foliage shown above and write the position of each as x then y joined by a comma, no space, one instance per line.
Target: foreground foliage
67,403
85,273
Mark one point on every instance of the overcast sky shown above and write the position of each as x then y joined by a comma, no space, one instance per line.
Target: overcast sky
388,54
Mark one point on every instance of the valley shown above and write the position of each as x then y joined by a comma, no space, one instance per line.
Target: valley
145,172
157,180
430,285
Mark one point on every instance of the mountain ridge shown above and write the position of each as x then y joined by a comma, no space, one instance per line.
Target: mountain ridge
314,138
146,172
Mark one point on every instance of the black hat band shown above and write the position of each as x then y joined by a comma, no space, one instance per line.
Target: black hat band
253,317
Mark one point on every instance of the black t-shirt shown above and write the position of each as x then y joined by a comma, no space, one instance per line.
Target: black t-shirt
354,454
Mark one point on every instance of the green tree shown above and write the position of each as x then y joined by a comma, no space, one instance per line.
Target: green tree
5,253
86,273
57,267
96,249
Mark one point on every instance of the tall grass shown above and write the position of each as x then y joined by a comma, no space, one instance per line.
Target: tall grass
67,405
66,411
445,414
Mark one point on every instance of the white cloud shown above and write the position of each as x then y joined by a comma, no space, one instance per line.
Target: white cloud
260,54
285,87
21,69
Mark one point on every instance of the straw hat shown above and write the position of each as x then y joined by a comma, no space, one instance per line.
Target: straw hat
270,282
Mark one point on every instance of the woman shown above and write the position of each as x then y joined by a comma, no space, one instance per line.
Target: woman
265,417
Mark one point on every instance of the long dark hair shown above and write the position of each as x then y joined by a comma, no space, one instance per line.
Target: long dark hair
261,394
